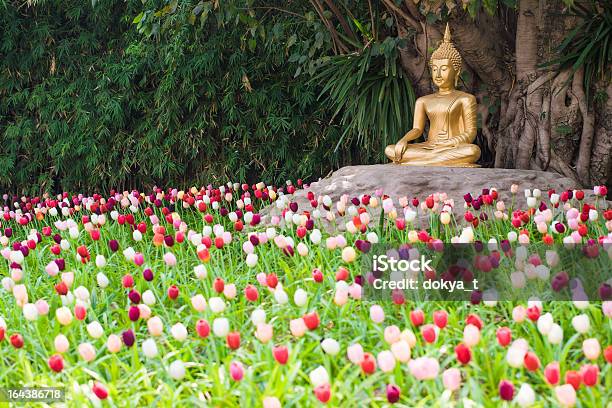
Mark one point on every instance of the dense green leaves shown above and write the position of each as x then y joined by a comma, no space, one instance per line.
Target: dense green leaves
89,102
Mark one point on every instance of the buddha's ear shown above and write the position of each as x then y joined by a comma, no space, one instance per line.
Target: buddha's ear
457,75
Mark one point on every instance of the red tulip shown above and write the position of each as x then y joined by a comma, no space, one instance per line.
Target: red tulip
281,354
251,293
475,320
2,333
342,274
440,318
301,231
272,280
607,352
504,336
463,353
429,333
590,374
311,320
531,361
317,275
552,373
417,317
16,340
80,312
574,378
368,364
127,281
61,288
100,390
202,328
233,340
56,363
219,285
533,313
323,393
173,292
219,242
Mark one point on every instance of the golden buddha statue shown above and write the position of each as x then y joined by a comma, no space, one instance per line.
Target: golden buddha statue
452,118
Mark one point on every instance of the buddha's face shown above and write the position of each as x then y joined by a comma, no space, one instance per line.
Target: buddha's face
443,73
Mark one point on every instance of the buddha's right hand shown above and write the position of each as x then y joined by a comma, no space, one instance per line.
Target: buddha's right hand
400,148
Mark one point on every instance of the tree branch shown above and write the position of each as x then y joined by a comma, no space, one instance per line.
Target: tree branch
397,10
341,19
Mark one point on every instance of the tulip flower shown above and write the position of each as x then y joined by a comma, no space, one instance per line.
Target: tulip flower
506,390
451,378
281,354
271,402
355,353
566,395
526,396
311,320
424,368
323,392
386,361
56,363
100,390
236,371
368,363
591,348
319,376
377,314
552,373
393,393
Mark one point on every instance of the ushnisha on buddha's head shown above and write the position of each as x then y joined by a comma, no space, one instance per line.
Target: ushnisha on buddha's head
445,64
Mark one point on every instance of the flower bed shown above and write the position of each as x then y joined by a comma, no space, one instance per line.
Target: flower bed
190,297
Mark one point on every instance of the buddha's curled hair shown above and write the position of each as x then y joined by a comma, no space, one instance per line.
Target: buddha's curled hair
447,50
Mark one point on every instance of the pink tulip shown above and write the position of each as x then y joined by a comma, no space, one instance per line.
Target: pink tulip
355,353
236,371
264,332
377,314
471,335
451,378
298,327
386,361
170,259
566,395
87,352
401,351
392,334
591,348
424,368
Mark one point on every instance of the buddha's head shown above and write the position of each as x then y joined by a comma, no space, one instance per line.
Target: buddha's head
445,63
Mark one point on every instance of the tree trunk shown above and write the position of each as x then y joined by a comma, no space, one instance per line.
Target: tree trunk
542,122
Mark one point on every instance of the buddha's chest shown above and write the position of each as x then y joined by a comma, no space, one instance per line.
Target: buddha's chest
443,108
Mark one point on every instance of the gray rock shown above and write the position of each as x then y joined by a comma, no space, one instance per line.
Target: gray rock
397,181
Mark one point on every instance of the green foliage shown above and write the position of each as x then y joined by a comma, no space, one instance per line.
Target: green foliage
88,102
589,45
371,96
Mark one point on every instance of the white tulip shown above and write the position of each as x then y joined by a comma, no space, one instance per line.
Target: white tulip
300,297
330,346
149,348
177,370
221,327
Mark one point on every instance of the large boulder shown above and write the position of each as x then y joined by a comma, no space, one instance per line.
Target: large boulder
398,181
